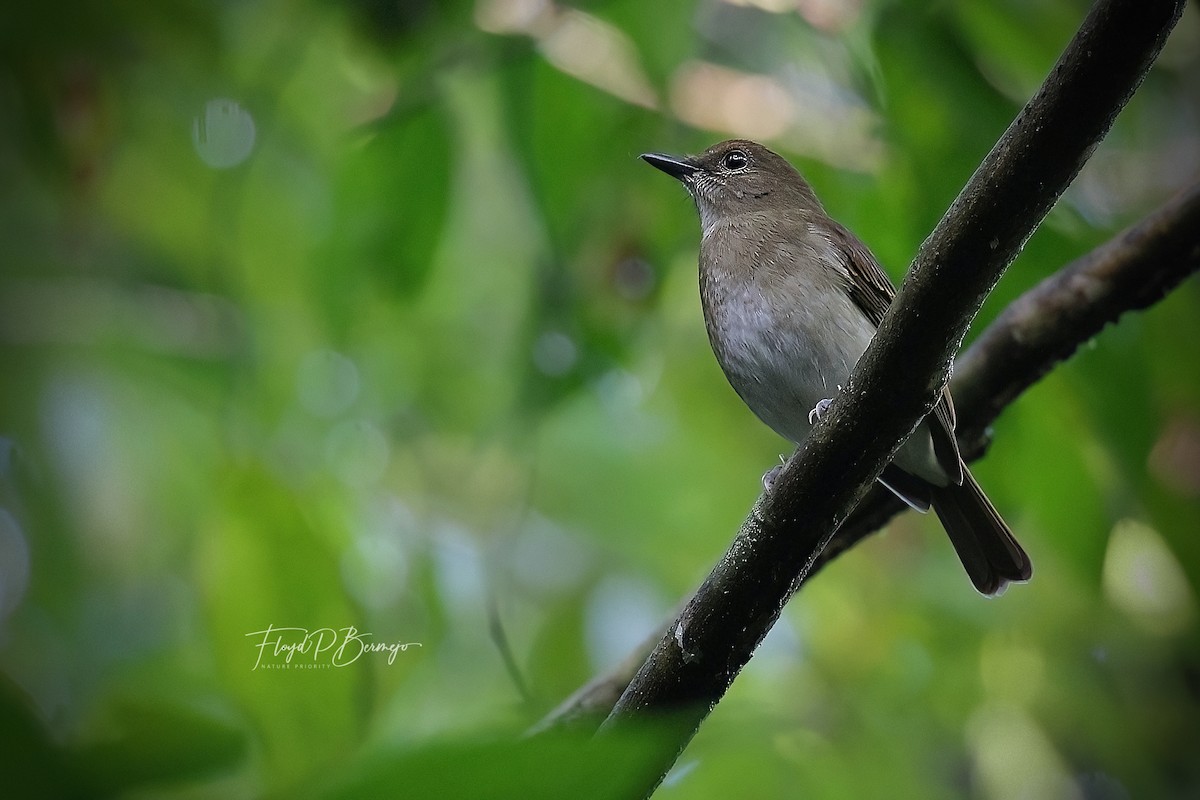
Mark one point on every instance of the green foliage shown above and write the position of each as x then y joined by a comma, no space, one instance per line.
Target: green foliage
365,320
547,767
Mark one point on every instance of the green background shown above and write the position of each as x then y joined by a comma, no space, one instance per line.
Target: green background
367,314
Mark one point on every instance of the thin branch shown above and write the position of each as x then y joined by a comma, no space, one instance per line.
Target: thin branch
896,381
587,707
499,637
1131,271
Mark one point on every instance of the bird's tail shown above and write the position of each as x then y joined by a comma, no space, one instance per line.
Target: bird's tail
984,543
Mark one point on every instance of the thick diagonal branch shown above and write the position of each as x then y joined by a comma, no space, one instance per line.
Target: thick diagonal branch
896,381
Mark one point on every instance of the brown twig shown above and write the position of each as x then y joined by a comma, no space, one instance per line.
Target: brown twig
1046,325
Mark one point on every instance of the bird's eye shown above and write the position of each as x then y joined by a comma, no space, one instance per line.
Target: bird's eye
735,159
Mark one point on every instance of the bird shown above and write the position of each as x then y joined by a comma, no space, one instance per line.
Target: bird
791,299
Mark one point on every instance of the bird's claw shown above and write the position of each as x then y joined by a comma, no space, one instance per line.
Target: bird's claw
768,478
818,410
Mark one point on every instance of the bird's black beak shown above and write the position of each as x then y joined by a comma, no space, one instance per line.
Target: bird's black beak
675,167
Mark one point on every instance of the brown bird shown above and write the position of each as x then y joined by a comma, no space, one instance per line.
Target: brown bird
791,300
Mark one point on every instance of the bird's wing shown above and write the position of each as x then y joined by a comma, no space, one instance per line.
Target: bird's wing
867,284
871,290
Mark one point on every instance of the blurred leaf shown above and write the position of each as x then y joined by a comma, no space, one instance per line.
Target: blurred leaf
582,768
570,135
148,743
263,563
32,763
943,115
390,204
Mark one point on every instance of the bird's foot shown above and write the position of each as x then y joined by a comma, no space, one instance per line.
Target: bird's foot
768,478
818,410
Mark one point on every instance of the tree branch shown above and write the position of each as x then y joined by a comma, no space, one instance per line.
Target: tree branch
1046,325
1129,272
587,707
896,381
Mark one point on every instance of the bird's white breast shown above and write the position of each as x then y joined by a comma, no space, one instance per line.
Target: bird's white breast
785,330
784,347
